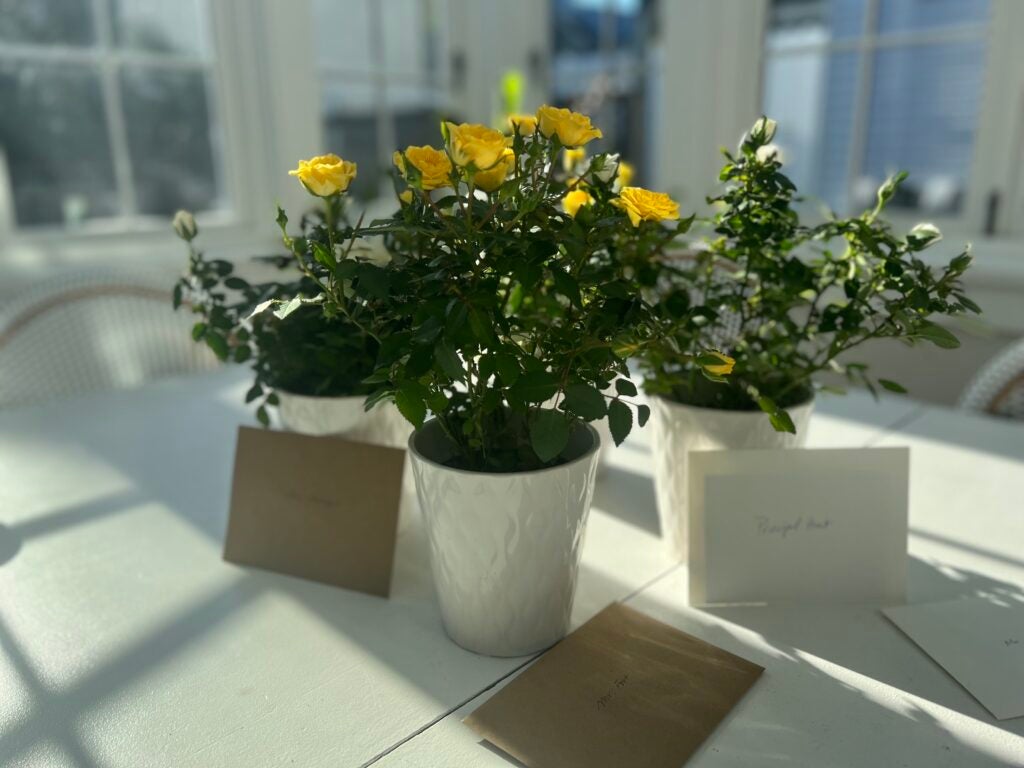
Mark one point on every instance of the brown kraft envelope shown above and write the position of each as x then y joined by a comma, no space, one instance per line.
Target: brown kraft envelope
622,690
321,508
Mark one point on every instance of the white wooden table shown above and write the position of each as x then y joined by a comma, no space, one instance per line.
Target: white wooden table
125,640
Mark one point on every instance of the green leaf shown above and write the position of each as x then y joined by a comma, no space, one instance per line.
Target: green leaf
892,386
585,401
625,387
567,286
449,361
254,392
643,413
482,329
282,312
782,422
176,296
620,420
242,353
410,402
217,343
236,283
536,387
508,368
937,335
263,416
198,331
373,281
549,434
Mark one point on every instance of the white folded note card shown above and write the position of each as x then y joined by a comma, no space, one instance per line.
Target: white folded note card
798,525
979,641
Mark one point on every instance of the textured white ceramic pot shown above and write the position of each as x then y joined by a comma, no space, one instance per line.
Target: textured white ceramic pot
504,548
346,416
680,428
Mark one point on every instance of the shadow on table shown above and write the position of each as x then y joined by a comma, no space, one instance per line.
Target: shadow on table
803,711
871,645
629,496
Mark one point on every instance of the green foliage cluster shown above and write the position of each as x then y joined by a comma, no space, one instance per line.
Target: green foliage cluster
293,346
785,299
507,319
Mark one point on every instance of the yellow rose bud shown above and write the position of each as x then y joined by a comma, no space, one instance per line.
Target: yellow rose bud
475,145
491,179
325,175
406,197
626,173
572,128
572,158
576,199
720,370
433,164
643,205
527,124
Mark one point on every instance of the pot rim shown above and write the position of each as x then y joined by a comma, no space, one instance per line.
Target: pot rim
322,398
676,404
594,448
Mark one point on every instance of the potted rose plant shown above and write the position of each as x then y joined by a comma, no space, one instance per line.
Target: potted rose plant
308,361
785,301
504,296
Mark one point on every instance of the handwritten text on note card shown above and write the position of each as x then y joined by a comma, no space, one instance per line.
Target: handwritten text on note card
768,527
795,526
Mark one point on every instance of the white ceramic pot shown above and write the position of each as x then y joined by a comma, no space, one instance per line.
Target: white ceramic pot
504,548
345,416
680,428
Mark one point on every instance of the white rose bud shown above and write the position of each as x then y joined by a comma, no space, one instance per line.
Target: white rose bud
769,151
764,128
609,169
185,225
923,235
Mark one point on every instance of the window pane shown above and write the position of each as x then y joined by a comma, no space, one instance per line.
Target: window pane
55,22
163,27
53,132
917,15
924,109
813,96
169,137
799,23
342,34
350,130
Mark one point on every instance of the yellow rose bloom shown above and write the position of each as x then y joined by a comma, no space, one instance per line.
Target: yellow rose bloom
720,370
433,164
491,179
575,200
643,205
527,124
572,128
475,145
626,173
573,157
325,175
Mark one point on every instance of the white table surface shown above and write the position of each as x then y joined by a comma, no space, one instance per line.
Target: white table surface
125,640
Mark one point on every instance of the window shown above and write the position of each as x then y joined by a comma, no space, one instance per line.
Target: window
862,88
383,82
121,127
599,69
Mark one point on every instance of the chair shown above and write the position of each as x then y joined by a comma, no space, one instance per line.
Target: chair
998,388
94,331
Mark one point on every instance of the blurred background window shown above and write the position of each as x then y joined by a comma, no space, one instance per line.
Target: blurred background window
598,68
383,69
862,88
121,128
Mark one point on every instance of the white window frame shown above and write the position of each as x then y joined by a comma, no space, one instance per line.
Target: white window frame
241,92
708,90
